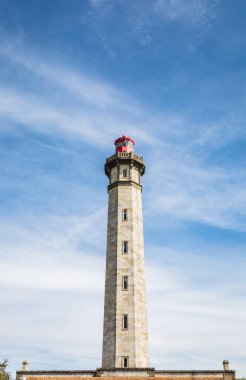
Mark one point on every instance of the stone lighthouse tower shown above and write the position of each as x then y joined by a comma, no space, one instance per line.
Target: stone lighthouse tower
125,334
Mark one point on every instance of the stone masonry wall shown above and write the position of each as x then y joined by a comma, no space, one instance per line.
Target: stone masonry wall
118,342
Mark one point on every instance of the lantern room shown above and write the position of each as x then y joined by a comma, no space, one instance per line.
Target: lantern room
124,144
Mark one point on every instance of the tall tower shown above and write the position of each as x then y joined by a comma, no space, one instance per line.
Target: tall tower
125,334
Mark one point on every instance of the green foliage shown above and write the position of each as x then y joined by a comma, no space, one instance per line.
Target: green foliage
4,374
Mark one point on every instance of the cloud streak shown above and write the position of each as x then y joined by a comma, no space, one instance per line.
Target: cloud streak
206,195
88,107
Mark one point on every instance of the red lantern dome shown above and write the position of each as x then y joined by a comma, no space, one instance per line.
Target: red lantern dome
124,144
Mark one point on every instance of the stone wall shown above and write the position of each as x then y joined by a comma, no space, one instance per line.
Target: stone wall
125,192
130,373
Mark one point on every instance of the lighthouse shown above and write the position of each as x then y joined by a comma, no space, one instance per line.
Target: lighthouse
125,333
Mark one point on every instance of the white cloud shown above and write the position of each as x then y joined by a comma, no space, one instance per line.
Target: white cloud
193,192
52,278
192,11
75,104
195,306
95,91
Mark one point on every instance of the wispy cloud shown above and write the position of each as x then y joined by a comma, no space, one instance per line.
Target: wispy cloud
189,304
143,21
88,107
89,90
53,273
191,12
195,193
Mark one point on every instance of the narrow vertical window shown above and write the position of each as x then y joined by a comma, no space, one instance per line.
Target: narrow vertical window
124,173
125,247
125,361
125,282
124,214
125,322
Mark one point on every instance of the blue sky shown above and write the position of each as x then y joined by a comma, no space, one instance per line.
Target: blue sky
74,76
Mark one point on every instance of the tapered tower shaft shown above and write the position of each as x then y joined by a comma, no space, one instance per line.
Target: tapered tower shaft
125,335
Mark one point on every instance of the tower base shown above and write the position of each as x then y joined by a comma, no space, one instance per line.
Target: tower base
125,373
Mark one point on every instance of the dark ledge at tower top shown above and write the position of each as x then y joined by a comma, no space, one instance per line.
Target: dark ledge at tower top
128,158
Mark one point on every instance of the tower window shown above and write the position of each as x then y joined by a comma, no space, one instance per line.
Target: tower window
125,361
124,173
125,247
124,214
125,321
125,282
